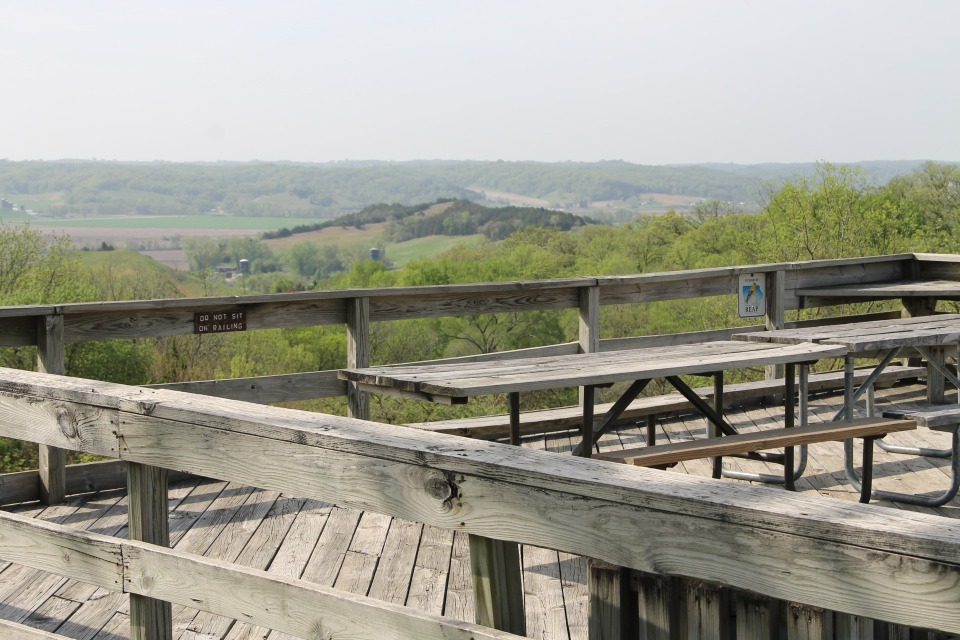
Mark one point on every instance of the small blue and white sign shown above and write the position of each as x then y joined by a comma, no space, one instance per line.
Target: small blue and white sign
752,296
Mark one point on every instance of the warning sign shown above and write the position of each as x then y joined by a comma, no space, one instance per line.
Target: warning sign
751,295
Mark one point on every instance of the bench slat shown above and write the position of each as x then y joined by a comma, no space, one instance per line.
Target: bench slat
757,441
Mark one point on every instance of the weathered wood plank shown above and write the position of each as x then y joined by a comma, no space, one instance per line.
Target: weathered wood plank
296,607
361,558
441,560
61,550
613,602
809,623
331,549
391,583
251,541
358,354
50,359
497,584
14,631
30,588
100,605
150,619
18,331
707,610
218,587
584,369
266,389
106,322
459,602
58,424
405,306
757,617
943,289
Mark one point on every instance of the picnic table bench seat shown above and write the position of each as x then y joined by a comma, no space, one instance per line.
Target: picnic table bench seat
665,455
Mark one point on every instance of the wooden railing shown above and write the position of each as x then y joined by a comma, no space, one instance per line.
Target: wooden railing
821,555
50,327
861,561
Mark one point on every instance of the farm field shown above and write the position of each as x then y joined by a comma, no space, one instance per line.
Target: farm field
403,252
169,223
151,232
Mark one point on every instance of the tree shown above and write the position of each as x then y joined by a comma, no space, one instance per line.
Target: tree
303,259
35,270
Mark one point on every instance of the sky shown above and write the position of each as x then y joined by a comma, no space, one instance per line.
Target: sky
665,82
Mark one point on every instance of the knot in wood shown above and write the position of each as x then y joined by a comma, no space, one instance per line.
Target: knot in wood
317,632
146,408
67,421
439,486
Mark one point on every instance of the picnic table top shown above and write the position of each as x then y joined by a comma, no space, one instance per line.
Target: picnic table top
898,289
461,380
877,335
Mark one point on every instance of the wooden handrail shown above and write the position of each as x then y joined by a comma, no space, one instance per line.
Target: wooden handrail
624,515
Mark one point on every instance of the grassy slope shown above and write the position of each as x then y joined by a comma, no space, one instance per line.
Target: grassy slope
401,253
124,263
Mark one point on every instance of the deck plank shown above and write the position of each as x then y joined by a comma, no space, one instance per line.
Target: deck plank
99,605
292,557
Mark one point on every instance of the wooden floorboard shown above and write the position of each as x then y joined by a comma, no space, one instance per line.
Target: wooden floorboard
403,562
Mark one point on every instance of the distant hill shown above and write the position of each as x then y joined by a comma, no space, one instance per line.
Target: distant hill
614,188
445,218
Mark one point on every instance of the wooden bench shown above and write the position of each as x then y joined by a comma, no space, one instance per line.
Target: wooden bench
566,418
669,454
941,417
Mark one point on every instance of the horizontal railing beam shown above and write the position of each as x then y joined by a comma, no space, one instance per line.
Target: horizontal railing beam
152,318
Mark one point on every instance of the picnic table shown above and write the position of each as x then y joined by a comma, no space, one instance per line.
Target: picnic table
885,339
455,383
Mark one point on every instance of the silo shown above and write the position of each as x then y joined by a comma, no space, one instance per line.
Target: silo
374,253
243,265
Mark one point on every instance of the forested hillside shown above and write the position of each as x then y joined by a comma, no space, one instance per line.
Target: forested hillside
83,188
445,218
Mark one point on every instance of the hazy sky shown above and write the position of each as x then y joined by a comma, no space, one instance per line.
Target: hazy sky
554,80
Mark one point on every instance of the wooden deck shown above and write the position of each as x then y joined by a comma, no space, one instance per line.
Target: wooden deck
397,561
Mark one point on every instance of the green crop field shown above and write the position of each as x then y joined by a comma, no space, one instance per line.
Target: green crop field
403,252
162,222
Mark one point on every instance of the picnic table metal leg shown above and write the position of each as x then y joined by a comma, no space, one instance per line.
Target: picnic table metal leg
713,428
788,423
586,428
866,478
651,430
613,413
935,501
800,463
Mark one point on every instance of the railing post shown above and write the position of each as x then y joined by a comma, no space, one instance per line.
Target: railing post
589,334
774,318
50,359
498,584
358,354
148,522
614,611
